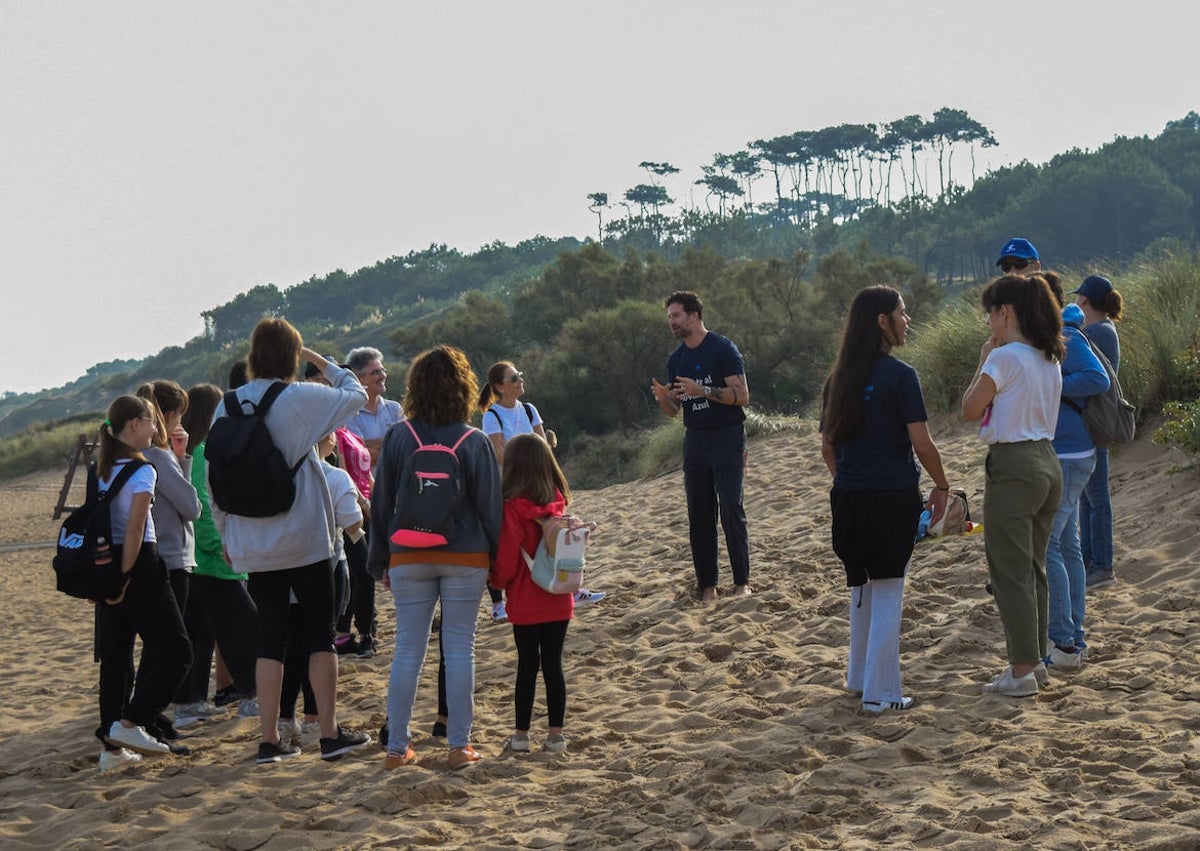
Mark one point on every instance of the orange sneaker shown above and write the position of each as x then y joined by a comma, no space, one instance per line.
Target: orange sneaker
462,757
395,760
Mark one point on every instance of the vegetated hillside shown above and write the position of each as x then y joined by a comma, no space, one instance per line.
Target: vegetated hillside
1112,204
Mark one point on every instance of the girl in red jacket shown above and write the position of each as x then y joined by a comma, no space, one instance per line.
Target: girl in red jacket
534,488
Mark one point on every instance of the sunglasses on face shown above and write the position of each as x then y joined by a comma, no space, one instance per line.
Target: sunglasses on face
1010,265
517,377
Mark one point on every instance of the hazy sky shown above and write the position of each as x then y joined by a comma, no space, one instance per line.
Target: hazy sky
157,158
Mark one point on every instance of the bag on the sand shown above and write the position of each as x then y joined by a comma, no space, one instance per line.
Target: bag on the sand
557,564
85,565
428,494
1109,416
247,474
955,519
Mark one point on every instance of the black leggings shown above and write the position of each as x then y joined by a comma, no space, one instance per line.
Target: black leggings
362,591
219,610
149,610
540,646
295,670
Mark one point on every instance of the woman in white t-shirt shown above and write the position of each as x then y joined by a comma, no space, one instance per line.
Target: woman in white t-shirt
1015,395
504,415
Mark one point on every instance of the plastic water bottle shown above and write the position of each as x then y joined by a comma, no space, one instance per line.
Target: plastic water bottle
103,554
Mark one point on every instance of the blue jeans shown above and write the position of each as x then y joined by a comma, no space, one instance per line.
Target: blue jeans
416,589
1095,517
1065,572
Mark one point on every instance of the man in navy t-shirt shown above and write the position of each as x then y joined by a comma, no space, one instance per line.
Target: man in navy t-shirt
706,379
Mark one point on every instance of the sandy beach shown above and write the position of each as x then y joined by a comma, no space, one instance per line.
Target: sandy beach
691,725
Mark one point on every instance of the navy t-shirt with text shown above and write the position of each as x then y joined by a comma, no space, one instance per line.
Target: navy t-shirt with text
881,456
708,363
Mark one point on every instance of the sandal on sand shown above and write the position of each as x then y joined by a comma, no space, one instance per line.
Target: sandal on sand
462,757
396,760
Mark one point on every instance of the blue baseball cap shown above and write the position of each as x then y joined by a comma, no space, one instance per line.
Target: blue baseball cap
1022,249
1095,288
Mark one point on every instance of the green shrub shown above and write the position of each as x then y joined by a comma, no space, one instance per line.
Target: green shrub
44,446
1181,427
944,350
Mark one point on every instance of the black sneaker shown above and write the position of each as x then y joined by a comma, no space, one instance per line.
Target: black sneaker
345,644
276,751
226,696
439,729
344,742
365,648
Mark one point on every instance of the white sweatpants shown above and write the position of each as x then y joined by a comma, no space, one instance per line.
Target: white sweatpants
874,666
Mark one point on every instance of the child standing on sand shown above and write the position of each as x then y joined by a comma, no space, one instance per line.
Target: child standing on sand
146,606
534,489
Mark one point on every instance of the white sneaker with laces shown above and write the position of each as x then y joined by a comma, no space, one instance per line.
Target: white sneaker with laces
289,729
1064,661
584,597
187,714
878,707
499,613
1009,686
119,758
135,738
248,707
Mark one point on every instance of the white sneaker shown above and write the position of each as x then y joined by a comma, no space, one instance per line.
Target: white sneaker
119,758
499,613
187,714
1009,686
289,729
135,738
1041,675
248,708
584,597
878,707
555,743
1064,661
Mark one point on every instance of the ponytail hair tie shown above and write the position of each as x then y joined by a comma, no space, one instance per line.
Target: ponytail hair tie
108,428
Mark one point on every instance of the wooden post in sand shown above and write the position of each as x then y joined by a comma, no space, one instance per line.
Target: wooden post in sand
83,446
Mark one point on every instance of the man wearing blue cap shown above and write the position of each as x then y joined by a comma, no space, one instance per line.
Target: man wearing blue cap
1019,257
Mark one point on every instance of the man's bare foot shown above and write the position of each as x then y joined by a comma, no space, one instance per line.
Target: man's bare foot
709,594
741,590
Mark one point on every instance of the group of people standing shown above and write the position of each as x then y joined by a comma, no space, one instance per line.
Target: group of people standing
276,595
1036,373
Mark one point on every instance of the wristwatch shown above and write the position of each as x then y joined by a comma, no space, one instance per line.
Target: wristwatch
708,390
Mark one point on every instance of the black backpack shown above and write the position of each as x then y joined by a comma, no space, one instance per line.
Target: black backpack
428,494
85,565
247,474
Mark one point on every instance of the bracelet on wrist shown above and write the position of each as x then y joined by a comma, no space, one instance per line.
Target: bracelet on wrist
946,488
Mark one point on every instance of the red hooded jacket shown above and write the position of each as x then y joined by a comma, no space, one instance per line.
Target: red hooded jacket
526,602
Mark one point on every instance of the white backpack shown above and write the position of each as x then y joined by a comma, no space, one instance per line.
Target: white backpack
557,564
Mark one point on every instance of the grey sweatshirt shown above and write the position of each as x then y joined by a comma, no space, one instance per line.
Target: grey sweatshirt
175,507
301,415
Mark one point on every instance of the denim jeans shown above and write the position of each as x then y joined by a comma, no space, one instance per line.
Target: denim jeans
1095,517
416,589
1065,572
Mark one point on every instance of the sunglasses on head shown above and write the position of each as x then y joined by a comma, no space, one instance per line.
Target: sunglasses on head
1010,265
516,377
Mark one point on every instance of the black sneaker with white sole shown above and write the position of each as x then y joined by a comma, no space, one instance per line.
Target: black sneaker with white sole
276,751
343,743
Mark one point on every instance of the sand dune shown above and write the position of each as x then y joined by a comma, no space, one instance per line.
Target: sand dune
690,725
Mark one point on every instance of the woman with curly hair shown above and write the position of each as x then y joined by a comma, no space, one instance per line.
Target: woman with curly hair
438,401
